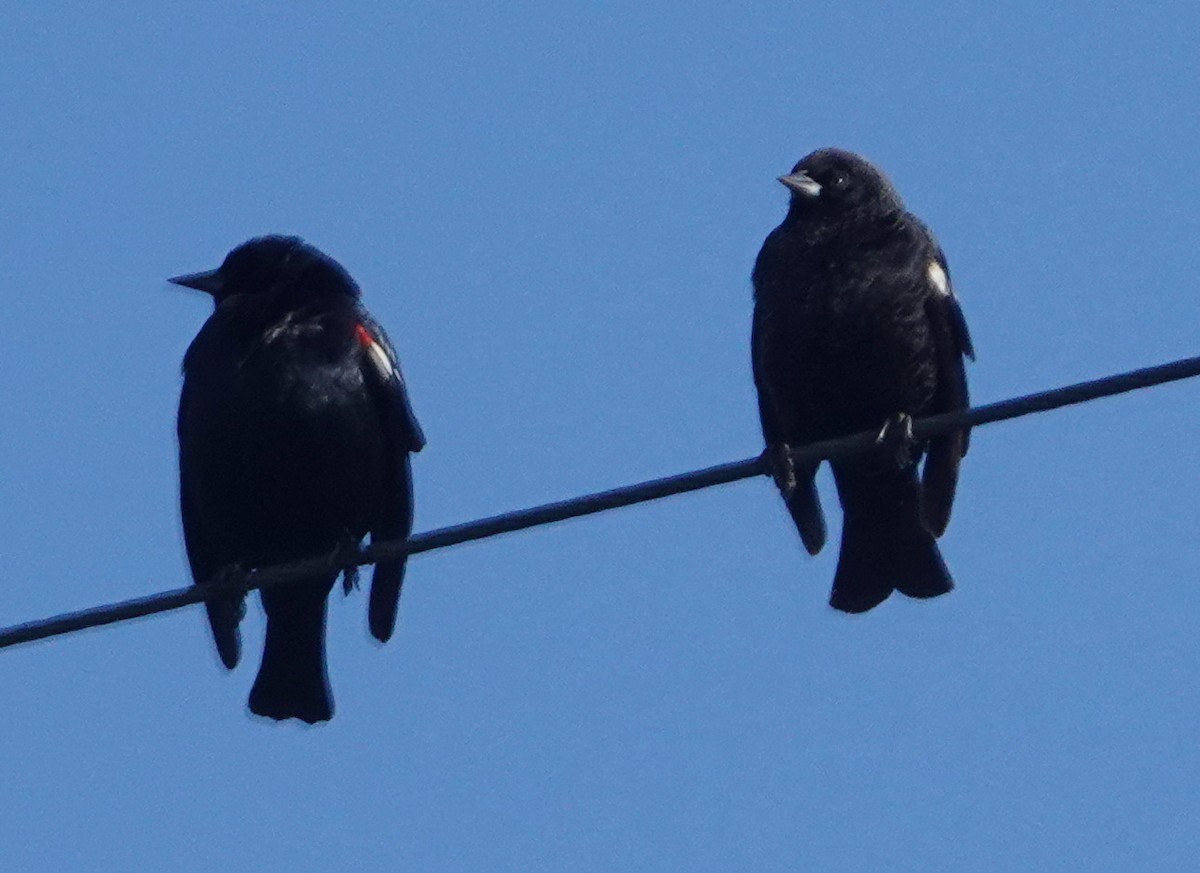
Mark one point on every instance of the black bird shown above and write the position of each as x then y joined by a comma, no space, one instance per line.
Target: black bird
295,431
856,328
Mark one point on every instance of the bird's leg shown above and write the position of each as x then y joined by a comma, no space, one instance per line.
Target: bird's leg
345,557
783,468
896,436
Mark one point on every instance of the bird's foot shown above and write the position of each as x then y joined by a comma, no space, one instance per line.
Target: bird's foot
345,557
896,437
233,582
782,467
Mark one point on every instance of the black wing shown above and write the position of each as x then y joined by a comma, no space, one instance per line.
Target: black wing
381,369
758,343
205,556
952,341
802,502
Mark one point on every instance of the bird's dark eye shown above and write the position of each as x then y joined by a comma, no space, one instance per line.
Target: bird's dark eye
840,181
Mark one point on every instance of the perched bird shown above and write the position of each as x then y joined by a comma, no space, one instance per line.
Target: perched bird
295,432
856,327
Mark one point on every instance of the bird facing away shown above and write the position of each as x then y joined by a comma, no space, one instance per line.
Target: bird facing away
295,432
856,327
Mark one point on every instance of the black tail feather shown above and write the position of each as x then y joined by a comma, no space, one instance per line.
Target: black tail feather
885,545
292,681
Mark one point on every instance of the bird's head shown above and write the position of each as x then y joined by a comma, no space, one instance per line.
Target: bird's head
836,182
272,263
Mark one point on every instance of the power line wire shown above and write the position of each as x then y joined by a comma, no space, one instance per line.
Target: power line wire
548,513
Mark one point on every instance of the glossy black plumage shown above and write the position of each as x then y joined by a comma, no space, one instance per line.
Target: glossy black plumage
295,432
855,322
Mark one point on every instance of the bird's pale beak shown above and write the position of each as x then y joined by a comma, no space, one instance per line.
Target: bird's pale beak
801,183
209,281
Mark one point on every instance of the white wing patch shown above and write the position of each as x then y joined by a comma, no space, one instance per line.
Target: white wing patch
377,354
938,279
382,362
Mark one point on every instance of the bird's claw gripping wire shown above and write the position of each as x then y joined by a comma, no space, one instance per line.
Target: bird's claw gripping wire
896,437
233,582
345,557
783,468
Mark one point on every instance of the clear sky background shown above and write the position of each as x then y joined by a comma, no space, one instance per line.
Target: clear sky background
554,210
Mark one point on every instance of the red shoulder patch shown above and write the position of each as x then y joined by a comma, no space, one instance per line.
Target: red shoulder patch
377,354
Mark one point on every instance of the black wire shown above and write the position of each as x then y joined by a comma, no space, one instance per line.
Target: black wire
589,504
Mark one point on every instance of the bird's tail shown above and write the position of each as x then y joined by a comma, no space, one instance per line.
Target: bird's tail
885,545
292,681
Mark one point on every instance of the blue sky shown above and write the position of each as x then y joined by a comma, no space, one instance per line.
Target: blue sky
554,211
